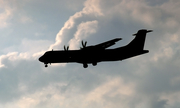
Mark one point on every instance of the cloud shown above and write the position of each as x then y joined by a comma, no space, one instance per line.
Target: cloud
147,81
91,9
83,31
5,14
29,46
52,96
25,19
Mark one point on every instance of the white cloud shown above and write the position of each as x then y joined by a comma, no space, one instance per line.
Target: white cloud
29,46
13,58
83,31
111,89
5,14
33,46
51,96
91,9
168,47
27,50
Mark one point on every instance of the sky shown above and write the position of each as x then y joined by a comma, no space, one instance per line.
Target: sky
28,28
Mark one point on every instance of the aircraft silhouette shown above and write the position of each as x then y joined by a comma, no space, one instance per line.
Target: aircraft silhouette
98,53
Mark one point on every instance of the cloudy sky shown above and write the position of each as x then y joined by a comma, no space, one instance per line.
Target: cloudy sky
28,28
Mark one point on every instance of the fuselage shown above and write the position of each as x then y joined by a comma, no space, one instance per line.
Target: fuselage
85,56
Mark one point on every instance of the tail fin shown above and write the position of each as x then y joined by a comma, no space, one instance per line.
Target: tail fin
138,42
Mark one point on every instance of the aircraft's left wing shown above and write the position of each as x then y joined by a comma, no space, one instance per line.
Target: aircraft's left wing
107,44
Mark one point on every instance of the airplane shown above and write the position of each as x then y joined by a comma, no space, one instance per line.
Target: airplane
98,53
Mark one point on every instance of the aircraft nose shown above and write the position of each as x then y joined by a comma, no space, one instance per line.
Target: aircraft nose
40,59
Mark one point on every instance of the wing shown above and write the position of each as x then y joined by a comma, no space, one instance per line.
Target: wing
101,46
107,44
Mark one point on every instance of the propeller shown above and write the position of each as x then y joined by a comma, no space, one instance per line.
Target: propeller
83,44
66,48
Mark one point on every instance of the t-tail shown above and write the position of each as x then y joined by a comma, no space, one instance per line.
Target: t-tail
137,44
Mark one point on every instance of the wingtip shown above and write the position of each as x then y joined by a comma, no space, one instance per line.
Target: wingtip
119,38
149,30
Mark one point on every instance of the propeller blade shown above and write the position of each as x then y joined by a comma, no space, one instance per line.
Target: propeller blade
66,48
85,43
82,43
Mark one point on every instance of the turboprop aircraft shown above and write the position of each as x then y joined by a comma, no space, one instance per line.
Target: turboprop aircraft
98,53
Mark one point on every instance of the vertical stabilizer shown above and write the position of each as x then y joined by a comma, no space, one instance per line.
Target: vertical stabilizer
138,42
